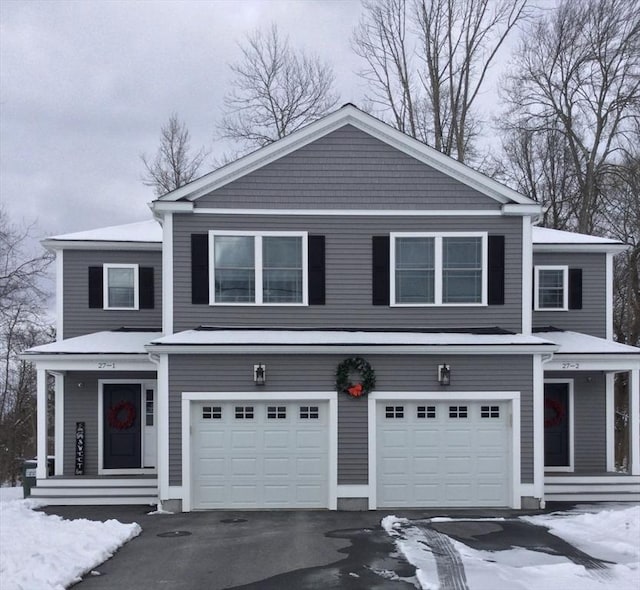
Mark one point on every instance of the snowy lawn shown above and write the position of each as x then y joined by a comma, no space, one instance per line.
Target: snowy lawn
606,532
43,552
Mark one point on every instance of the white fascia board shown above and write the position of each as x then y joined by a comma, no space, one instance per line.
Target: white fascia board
602,248
347,115
521,209
90,362
593,362
55,245
298,349
171,206
352,212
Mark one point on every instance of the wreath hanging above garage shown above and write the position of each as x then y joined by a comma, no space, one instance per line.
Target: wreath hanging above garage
122,415
364,383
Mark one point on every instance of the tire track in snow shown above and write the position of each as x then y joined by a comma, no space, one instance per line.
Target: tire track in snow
448,561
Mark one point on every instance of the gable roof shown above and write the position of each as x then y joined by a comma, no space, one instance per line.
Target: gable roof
347,115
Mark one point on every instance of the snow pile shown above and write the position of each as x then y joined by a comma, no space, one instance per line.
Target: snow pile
49,553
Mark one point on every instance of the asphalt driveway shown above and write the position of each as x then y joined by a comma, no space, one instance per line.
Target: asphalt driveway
294,549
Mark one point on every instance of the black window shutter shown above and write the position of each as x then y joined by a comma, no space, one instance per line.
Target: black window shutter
380,270
145,279
575,288
199,268
495,276
95,287
316,267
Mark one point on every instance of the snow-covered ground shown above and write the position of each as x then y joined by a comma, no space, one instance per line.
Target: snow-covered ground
606,532
44,552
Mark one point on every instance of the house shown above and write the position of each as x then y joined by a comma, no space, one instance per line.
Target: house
200,354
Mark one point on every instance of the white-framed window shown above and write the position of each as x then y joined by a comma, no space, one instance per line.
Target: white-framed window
258,268
551,292
438,269
121,286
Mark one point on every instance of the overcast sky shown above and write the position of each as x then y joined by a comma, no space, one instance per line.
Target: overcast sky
86,86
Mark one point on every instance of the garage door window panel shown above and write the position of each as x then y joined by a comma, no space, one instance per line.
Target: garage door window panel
426,412
394,412
309,413
458,412
244,412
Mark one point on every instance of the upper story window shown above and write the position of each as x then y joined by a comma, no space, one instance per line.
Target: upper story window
551,288
258,268
438,269
120,286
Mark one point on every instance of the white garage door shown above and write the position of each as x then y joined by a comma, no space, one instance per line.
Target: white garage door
260,454
443,453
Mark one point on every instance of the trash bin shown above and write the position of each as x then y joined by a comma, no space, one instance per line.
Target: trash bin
28,476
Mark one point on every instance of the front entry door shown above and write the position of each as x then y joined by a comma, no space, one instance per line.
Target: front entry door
556,425
122,426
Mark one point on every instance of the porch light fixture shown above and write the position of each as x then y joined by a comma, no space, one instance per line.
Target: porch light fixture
259,374
444,374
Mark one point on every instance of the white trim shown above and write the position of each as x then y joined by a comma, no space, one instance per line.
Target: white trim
41,412
524,210
59,424
135,470
350,212
477,396
527,275
565,287
593,362
167,274
347,115
162,412
258,267
608,306
610,416
59,245
538,427
188,397
105,286
92,362
634,421
353,491
571,466
438,267
59,295
613,248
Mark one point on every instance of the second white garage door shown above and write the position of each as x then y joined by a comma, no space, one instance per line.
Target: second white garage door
260,454
443,454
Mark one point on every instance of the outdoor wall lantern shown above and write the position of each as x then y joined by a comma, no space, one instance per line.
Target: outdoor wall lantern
444,374
259,374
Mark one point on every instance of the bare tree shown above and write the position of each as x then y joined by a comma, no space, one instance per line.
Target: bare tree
174,165
22,325
427,61
276,90
577,73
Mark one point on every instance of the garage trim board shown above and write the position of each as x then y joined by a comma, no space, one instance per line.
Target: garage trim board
188,398
480,396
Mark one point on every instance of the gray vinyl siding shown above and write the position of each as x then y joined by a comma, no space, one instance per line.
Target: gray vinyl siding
231,373
590,422
347,169
79,318
591,319
348,274
81,405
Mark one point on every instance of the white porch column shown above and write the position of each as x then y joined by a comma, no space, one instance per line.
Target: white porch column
163,427
634,421
538,428
610,417
59,423
41,471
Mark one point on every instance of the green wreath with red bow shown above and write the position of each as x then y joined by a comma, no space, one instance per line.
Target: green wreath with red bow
365,382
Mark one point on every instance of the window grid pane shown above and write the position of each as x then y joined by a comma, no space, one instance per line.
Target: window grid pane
551,288
462,270
282,269
415,270
234,269
121,290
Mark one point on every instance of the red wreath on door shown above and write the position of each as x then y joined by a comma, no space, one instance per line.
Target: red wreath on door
559,412
128,412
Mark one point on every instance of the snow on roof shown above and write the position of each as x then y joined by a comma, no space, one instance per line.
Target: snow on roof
142,231
117,342
230,337
576,343
544,235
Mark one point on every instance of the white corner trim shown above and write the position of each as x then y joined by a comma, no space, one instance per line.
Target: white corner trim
41,412
610,416
167,274
527,275
509,396
608,306
566,468
188,397
162,409
634,421
59,424
59,295
538,427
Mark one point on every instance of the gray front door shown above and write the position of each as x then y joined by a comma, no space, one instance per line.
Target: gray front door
556,424
122,432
